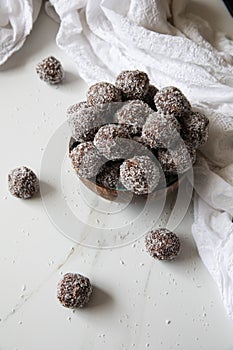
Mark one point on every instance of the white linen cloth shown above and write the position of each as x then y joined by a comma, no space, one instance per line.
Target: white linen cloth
177,48
16,21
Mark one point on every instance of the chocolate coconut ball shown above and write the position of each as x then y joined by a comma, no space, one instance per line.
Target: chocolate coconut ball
74,290
177,160
23,182
86,160
149,97
139,175
76,107
171,100
109,175
133,84
160,130
133,113
103,93
50,70
113,141
162,244
86,121
195,129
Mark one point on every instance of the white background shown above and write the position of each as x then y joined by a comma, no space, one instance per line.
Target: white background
134,296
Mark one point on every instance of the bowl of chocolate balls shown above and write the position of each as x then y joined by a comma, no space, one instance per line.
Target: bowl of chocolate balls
130,136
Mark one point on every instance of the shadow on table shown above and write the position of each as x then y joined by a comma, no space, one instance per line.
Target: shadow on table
100,299
188,252
69,78
46,189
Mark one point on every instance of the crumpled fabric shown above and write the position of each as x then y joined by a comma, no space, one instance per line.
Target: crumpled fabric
213,226
16,22
175,47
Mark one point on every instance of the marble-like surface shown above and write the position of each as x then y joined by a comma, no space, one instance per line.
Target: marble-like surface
137,302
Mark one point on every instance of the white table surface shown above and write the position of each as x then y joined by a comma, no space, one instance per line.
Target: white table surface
134,295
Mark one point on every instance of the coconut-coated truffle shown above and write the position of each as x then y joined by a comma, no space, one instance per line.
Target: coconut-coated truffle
103,93
177,159
195,129
170,100
23,182
74,290
162,244
50,70
134,84
160,130
139,174
113,141
133,113
86,121
76,107
86,159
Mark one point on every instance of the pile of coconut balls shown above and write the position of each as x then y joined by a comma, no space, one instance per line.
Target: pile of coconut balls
125,136
129,134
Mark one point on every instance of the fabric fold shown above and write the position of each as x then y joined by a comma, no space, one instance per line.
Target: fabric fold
16,22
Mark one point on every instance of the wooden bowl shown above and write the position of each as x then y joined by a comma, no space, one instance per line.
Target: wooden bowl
172,183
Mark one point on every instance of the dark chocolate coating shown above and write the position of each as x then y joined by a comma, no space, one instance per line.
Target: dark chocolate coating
133,84
74,290
162,244
170,100
50,70
23,182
